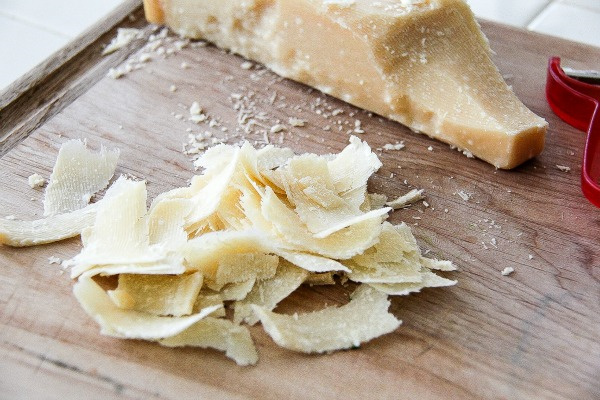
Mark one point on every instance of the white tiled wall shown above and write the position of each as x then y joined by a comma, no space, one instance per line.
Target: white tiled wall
511,12
23,46
577,20
31,30
570,20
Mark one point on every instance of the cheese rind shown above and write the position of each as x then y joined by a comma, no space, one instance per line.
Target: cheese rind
424,63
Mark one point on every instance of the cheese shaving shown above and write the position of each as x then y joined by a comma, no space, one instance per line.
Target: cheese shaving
77,175
208,298
120,234
237,290
428,280
339,245
374,201
130,324
218,334
365,317
47,230
312,263
157,294
269,292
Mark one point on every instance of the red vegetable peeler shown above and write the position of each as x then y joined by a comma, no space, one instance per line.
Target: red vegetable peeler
575,97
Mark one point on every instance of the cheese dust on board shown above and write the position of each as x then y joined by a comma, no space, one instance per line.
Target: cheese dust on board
263,115
205,260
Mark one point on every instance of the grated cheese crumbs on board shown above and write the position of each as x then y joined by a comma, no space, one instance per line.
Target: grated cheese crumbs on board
563,168
296,122
36,181
145,57
277,128
397,146
507,271
465,152
464,195
358,127
195,109
117,73
123,38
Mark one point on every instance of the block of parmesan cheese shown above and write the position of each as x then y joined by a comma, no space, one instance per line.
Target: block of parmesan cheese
424,63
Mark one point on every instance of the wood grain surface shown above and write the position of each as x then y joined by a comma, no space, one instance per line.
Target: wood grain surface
533,334
53,84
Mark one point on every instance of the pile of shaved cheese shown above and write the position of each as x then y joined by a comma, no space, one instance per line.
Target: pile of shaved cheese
246,233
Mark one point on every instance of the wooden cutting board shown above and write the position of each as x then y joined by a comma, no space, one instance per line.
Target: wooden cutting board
533,334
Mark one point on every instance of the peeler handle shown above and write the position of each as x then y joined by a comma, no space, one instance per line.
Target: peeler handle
577,103
590,173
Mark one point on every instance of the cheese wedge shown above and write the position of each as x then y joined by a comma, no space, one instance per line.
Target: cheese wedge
424,63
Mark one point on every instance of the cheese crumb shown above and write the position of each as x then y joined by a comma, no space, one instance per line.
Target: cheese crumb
36,181
297,122
397,146
123,38
468,154
563,168
358,126
430,148
195,108
507,271
10,217
115,73
145,57
54,260
464,195
246,65
277,128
